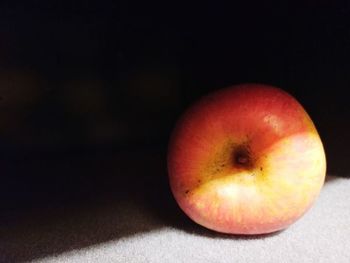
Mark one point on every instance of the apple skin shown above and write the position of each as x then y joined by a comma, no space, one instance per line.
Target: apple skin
246,160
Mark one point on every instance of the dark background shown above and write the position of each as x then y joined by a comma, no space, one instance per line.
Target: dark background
89,92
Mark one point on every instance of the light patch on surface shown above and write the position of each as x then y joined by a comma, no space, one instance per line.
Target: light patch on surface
274,122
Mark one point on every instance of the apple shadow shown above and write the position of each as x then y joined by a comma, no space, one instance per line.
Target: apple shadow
330,178
53,203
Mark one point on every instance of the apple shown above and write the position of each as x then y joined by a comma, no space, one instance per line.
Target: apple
246,159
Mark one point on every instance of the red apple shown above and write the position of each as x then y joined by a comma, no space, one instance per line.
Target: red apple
246,160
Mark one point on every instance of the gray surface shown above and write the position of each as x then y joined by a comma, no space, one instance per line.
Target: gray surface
127,230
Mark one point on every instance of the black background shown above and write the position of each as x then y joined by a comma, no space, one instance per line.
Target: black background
89,92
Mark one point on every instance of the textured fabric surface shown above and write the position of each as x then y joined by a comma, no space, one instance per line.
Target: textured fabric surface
126,230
